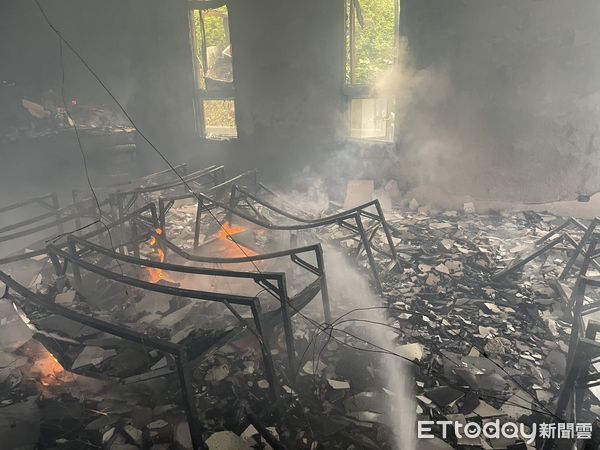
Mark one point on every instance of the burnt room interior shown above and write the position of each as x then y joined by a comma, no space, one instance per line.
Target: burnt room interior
338,224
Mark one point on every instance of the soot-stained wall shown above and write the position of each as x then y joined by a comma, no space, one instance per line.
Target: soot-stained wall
505,97
138,48
288,64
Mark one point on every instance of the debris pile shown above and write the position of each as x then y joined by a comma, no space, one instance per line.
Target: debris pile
494,349
28,115
480,348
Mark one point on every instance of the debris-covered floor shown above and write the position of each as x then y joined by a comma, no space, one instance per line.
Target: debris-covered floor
478,349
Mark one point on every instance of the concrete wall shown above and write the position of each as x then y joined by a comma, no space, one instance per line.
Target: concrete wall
289,70
496,99
288,64
504,95
138,48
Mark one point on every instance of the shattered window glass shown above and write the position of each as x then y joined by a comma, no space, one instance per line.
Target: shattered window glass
372,118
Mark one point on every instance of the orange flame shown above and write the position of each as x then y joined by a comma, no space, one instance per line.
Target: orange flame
156,275
49,369
230,230
225,234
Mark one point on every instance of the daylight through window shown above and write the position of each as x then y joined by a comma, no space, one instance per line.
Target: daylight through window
371,40
214,72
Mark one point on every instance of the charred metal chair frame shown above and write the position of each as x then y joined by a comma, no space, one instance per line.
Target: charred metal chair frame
75,249
344,219
74,256
71,213
176,351
583,350
79,210
136,220
217,192
180,169
118,199
563,237
52,207
74,212
101,229
293,253
274,282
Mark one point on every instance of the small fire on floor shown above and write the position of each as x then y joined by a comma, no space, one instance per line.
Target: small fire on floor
157,275
46,368
227,233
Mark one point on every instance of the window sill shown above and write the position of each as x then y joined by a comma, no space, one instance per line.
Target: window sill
365,142
218,139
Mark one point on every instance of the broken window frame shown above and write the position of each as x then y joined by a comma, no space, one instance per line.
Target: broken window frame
353,16
216,90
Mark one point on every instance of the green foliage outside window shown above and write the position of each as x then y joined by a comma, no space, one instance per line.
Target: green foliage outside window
374,42
214,26
219,113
